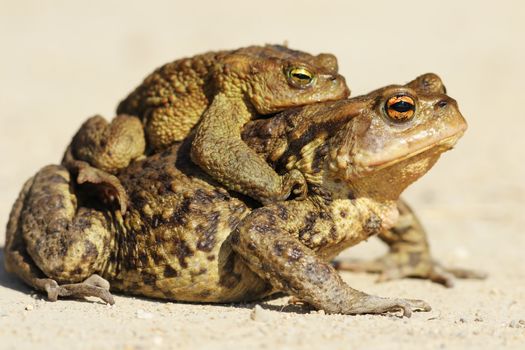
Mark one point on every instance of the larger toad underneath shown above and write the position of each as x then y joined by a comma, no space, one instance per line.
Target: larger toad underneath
186,238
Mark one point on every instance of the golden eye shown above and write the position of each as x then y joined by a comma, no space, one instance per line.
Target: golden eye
300,76
400,108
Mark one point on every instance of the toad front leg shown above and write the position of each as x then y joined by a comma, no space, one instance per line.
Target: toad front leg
220,151
409,255
269,241
51,240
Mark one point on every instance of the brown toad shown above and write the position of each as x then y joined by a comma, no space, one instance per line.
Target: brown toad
216,93
186,238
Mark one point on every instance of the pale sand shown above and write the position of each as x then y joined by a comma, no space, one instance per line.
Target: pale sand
64,62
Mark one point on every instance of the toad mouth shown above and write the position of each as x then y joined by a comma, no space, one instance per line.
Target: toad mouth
445,144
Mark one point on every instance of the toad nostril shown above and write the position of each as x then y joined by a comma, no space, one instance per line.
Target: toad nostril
442,104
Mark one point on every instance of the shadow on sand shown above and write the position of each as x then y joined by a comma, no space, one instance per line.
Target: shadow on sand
9,280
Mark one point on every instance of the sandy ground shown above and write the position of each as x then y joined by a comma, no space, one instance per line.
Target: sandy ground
62,62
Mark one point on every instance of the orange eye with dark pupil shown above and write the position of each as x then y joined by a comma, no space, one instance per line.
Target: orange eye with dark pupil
400,108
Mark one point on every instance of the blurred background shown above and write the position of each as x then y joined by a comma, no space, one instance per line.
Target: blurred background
63,61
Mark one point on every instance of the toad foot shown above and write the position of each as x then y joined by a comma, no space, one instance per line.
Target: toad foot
94,286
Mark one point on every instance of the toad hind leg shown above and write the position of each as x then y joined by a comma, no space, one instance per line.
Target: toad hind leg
49,241
108,146
269,249
409,255
93,286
